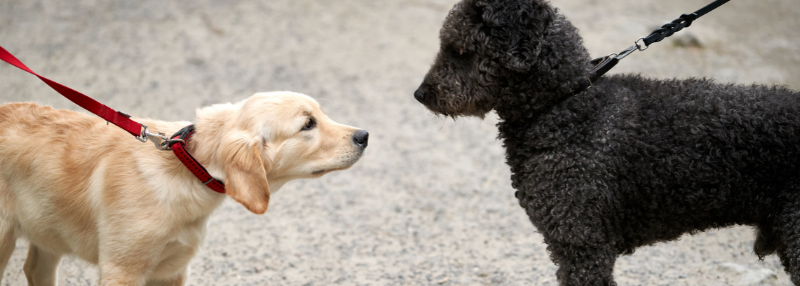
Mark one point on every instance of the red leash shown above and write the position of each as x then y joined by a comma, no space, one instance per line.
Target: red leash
110,115
177,143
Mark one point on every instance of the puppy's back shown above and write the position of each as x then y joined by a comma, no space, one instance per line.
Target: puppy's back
47,159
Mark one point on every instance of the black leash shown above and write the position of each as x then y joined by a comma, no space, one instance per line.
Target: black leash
604,64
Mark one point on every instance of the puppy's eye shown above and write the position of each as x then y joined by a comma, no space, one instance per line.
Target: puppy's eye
310,124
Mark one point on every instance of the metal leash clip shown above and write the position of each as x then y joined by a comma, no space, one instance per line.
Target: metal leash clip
626,52
160,139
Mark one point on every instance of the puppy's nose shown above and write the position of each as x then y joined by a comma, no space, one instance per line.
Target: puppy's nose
360,138
420,93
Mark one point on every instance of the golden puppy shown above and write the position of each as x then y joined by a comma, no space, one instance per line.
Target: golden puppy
71,184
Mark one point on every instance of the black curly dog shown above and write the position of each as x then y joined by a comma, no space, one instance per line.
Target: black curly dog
631,161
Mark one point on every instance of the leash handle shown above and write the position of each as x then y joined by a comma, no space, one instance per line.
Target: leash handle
110,115
676,25
604,64
710,7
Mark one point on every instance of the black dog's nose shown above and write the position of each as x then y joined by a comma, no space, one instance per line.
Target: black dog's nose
420,94
360,138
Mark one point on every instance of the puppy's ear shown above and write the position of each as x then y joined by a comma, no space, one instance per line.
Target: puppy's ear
517,30
246,172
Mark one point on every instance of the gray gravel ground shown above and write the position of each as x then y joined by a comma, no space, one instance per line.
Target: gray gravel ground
430,203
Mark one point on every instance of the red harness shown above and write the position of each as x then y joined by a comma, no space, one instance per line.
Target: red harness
177,143
178,146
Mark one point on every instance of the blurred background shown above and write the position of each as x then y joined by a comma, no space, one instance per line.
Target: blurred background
430,203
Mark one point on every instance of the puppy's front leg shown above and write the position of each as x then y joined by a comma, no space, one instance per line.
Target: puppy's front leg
174,281
130,251
7,243
127,262
41,267
118,274
126,255
134,267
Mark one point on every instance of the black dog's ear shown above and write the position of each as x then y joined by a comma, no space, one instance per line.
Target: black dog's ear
517,29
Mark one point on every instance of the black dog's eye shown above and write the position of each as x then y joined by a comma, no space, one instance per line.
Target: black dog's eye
454,50
310,124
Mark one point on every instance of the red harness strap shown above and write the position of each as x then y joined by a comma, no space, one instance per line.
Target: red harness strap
178,146
135,128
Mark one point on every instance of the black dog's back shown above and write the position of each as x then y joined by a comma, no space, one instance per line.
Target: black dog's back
635,161
693,154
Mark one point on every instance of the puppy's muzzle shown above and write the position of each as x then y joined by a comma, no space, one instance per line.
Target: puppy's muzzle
361,138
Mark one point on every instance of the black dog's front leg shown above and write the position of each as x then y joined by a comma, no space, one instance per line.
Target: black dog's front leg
581,265
577,242
573,212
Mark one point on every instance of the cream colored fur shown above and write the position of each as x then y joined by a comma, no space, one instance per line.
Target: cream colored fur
72,185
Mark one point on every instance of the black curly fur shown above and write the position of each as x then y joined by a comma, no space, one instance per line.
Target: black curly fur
631,161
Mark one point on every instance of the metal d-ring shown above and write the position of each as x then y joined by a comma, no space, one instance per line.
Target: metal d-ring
143,135
639,46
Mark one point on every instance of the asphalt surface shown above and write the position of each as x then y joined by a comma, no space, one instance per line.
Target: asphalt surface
430,203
